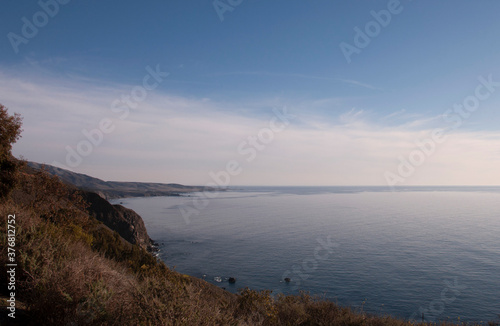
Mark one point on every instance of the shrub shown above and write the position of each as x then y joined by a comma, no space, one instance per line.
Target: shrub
10,132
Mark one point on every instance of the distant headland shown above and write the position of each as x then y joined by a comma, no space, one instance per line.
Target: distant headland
117,189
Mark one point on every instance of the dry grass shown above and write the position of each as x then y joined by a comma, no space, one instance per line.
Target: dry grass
74,271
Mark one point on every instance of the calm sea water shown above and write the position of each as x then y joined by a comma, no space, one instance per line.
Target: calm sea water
431,250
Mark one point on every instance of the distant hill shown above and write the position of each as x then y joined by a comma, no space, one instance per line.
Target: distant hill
116,189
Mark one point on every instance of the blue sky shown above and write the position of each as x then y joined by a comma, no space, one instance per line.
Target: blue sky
352,120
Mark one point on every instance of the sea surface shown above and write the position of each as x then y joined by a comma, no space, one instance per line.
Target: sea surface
430,250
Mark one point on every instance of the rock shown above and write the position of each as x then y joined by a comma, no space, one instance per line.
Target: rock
126,222
232,280
287,279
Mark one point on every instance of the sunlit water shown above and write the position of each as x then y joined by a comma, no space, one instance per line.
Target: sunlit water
417,250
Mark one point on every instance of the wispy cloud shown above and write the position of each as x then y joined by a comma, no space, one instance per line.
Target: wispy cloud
358,83
422,122
297,75
352,116
393,115
272,74
177,139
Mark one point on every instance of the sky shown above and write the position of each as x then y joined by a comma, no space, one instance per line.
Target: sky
254,92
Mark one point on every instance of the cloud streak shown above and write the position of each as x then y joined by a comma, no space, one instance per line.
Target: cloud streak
296,75
176,139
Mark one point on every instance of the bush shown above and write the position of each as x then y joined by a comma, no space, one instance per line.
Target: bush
10,132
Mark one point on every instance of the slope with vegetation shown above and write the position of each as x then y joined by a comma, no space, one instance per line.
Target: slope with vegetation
72,269
116,189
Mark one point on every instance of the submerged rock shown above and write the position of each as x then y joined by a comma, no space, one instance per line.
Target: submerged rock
232,280
287,279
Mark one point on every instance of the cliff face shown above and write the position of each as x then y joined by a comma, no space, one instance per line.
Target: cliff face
126,222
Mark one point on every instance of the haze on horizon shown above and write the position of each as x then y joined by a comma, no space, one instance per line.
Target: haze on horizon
282,93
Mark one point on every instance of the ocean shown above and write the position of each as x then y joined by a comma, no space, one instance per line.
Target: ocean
417,250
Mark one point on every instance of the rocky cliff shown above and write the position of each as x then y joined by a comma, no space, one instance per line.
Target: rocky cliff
126,222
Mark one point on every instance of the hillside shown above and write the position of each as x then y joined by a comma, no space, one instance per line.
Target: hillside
117,189
127,223
73,269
